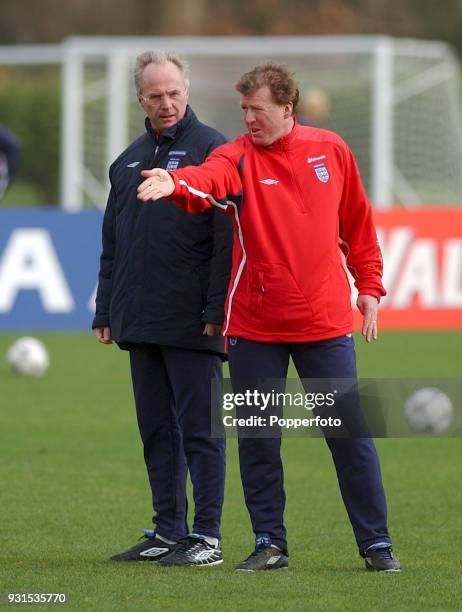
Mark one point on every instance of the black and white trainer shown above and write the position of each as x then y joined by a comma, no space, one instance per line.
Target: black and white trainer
151,548
381,560
193,551
264,558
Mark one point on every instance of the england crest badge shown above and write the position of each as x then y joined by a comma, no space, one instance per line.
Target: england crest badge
322,173
172,164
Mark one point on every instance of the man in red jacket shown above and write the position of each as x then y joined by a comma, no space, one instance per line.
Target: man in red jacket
297,201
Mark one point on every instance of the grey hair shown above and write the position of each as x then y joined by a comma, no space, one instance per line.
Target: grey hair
161,58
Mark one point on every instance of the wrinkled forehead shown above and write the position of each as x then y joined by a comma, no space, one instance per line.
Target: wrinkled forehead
260,97
163,76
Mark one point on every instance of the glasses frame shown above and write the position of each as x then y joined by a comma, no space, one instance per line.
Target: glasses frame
157,99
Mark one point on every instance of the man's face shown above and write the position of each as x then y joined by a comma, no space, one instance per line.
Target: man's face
164,95
266,120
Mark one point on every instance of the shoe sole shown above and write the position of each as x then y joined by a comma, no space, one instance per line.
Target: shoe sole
384,571
143,559
219,562
263,569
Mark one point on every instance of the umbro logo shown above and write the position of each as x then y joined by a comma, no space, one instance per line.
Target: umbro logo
269,182
204,555
153,552
132,165
274,559
310,160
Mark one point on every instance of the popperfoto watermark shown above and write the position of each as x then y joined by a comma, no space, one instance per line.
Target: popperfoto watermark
286,423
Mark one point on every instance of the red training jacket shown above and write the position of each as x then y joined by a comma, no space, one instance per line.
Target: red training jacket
295,204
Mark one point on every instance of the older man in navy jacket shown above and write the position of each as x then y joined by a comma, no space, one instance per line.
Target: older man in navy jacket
162,285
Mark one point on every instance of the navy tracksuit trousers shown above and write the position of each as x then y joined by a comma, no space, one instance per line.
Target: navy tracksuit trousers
355,458
173,403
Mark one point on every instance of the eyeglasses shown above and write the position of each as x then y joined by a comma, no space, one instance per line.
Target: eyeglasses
156,99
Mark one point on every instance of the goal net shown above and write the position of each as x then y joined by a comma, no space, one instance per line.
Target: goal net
395,101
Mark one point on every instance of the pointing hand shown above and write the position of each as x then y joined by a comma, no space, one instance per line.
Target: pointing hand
158,184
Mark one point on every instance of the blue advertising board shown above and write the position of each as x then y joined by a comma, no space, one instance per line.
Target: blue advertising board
49,263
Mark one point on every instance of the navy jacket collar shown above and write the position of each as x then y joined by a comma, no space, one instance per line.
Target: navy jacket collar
175,130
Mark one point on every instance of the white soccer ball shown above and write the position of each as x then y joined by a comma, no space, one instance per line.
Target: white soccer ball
28,356
429,410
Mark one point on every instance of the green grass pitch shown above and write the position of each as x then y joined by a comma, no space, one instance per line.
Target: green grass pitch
74,491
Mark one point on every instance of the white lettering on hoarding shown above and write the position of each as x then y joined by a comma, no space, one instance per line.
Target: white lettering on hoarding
428,269
419,276
452,274
30,262
91,302
393,251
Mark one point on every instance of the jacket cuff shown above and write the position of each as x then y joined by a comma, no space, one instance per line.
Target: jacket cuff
373,291
216,316
177,187
100,321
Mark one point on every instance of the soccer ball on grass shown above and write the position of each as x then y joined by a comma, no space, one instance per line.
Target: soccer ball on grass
28,356
429,410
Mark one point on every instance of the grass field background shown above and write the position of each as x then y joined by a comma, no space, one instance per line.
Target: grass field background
74,491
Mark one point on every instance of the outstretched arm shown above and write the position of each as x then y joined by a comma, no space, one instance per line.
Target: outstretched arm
195,188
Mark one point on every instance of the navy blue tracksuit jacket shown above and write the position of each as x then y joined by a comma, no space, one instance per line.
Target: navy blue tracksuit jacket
163,273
